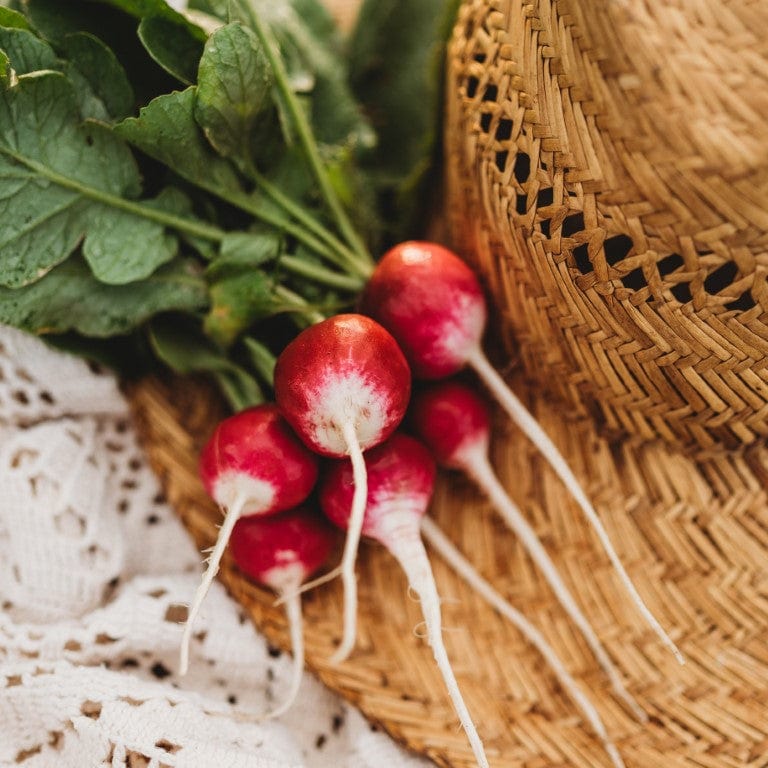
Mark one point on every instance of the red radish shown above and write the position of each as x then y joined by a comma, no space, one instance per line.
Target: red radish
440,542
252,465
401,476
282,551
454,424
432,303
344,385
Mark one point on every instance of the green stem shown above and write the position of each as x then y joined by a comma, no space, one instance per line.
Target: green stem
320,274
299,304
179,223
239,200
261,358
310,222
304,131
197,229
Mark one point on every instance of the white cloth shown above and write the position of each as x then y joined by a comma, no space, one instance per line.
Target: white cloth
92,565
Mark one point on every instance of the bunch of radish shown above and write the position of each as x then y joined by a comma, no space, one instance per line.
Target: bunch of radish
342,388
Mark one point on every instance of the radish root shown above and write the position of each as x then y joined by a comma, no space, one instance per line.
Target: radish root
520,415
443,546
231,517
481,472
351,543
293,612
410,553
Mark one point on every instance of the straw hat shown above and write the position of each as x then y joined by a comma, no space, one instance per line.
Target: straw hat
609,171
608,175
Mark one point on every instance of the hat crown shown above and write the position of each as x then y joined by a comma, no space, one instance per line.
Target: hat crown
608,172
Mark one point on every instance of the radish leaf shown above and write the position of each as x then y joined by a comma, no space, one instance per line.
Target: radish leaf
166,130
27,52
70,298
11,18
102,71
5,69
233,91
111,251
172,45
61,179
181,345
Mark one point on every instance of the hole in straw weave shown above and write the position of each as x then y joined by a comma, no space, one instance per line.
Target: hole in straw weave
669,264
485,122
491,92
635,280
503,129
744,302
522,169
501,160
545,197
617,248
581,257
682,292
521,204
472,83
721,278
572,225
544,227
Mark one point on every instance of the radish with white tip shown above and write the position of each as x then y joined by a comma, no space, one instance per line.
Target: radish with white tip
401,475
432,303
253,464
344,386
281,552
454,423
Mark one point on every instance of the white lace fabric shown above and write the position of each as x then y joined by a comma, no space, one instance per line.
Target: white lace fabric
94,571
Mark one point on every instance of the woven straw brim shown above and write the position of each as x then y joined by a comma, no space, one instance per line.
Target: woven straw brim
693,538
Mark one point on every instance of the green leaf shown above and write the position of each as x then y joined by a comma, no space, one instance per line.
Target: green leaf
174,46
5,70
166,130
311,49
396,74
142,9
238,300
122,247
244,250
173,200
11,18
180,344
102,71
234,82
27,52
69,298
50,163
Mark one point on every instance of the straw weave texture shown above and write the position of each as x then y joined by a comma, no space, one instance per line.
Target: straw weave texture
693,538
609,174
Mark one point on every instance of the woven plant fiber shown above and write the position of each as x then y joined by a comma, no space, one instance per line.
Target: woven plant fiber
609,175
693,537
607,168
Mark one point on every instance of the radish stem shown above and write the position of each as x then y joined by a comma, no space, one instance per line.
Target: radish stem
352,542
443,546
482,473
410,553
363,261
520,415
231,517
